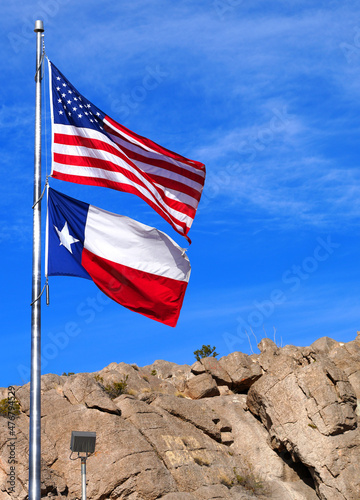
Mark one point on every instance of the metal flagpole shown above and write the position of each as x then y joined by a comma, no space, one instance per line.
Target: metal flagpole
35,381
83,477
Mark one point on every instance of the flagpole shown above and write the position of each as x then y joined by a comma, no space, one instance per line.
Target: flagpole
35,381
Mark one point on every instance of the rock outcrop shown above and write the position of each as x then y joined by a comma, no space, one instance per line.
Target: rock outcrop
280,425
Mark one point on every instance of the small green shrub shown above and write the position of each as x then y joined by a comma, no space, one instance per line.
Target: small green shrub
117,388
239,479
205,352
153,373
68,374
313,426
98,378
9,407
179,394
248,480
136,368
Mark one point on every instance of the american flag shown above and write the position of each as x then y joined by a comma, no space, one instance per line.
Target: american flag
89,147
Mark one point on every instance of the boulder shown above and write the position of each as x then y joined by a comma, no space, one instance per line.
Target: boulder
216,370
198,368
324,345
194,412
174,374
201,386
267,344
83,388
242,369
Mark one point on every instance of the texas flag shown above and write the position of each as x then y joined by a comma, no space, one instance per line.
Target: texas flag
136,265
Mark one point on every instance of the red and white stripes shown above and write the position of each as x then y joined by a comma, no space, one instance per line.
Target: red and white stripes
120,159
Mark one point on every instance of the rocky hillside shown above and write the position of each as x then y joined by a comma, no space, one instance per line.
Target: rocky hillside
279,425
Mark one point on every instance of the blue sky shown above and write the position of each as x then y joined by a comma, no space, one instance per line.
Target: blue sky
267,95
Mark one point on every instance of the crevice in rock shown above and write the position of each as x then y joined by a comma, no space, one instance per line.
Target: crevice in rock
268,424
330,378
310,358
243,390
202,429
255,415
153,447
46,489
65,492
304,473
331,472
50,464
301,388
338,491
104,410
67,399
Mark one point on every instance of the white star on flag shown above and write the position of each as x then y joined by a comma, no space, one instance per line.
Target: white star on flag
65,237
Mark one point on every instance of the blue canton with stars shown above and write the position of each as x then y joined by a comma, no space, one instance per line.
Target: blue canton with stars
72,108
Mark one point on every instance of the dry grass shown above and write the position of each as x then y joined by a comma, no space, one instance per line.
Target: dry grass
201,461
